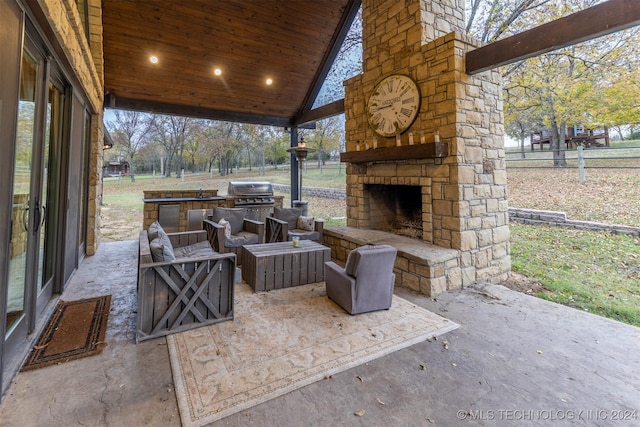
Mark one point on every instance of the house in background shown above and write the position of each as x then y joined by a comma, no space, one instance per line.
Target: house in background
116,169
575,136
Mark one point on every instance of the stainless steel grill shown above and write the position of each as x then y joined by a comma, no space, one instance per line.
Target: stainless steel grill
256,197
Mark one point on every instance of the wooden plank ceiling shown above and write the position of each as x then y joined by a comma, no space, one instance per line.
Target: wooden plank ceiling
292,42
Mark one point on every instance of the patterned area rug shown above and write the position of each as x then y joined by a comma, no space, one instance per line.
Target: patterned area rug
280,341
76,329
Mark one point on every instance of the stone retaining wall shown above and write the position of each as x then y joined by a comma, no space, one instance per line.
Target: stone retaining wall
559,219
327,193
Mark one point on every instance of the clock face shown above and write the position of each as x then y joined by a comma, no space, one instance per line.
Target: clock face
393,105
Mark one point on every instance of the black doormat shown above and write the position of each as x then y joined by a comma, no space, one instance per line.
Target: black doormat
76,329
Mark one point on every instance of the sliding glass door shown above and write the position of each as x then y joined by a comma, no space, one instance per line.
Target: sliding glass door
36,187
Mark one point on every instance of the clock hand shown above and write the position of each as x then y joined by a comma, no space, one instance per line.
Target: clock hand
382,108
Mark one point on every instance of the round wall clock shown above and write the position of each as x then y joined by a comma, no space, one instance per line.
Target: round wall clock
393,105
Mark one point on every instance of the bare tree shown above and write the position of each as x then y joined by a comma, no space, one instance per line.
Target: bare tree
170,132
130,131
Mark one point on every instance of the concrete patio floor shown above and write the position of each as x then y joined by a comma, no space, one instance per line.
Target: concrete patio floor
515,360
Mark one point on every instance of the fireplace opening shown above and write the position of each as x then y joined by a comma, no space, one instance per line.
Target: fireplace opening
396,209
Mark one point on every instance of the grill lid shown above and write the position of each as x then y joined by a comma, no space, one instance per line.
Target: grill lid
249,188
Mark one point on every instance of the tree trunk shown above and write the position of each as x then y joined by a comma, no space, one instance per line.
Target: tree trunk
619,130
223,166
558,133
167,165
557,143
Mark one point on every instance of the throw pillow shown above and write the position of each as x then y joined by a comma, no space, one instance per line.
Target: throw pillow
153,230
167,247
227,227
157,250
305,223
288,214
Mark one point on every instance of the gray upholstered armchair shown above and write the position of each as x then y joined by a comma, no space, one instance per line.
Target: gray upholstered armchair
228,230
286,223
366,281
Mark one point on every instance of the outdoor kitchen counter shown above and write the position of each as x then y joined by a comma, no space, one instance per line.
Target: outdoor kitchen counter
183,199
170,207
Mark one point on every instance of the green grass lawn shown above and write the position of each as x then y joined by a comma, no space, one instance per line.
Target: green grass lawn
592,271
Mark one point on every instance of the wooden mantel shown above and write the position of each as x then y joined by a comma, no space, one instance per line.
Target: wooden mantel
430,150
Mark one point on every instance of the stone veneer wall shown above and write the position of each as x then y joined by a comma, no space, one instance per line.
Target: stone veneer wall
150,213
96,156
86,59
464,194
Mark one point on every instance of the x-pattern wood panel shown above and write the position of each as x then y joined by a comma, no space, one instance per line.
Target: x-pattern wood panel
188,285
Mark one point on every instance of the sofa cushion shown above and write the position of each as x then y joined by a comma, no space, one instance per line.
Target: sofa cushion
195,250
240,239
288,214
153,230
305,223
235,216
157,249
167,247
162,249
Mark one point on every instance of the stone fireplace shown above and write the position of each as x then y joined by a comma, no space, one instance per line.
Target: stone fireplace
438,190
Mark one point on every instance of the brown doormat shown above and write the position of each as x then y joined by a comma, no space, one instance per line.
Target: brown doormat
76,329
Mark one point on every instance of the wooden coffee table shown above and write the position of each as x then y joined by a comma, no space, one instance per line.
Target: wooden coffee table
270,266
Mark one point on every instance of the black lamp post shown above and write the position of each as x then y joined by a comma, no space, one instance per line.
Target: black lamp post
301,152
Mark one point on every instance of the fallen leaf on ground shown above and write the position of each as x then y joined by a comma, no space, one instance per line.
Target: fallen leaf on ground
379,401
359,413
423,367
360,378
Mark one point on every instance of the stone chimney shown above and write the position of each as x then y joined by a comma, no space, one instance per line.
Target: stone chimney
461,195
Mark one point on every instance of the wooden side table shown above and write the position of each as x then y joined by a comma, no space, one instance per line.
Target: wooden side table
270,266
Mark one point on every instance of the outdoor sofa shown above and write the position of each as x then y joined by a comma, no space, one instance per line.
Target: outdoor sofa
182,282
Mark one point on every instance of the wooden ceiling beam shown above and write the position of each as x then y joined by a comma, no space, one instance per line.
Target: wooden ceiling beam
599,20
327,110
351,10
156,107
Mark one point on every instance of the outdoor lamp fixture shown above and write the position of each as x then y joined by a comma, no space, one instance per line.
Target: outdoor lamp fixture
301,152
107,142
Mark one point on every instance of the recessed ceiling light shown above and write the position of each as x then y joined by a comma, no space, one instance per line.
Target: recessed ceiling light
217,71
153,59
269,82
